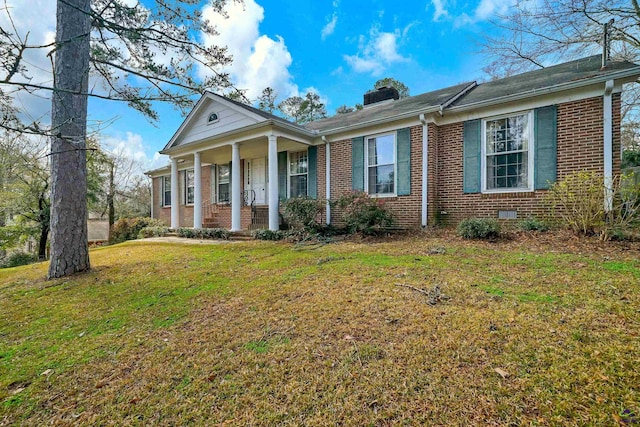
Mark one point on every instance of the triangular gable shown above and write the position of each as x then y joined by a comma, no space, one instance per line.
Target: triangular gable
211,116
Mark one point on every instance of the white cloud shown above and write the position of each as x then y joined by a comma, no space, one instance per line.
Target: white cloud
36,105
258,60
376,52
440,10
486,9
330,27
131,148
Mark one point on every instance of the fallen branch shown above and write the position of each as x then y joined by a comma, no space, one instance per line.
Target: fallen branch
434,295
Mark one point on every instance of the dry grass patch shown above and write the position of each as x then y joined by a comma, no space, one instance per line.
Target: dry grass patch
264,334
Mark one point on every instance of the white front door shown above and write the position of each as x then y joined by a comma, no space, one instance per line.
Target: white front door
256,180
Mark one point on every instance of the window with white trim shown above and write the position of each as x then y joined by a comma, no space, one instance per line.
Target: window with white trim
507,153
166,190
380,161
224,174
298,173
189,186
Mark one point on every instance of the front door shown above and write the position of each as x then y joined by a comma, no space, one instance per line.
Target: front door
257,180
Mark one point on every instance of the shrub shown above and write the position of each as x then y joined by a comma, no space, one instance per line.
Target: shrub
266,234
215,233
303,213
129,228
18,258
578,203
479,228
203,233
363,214
532,224
153,232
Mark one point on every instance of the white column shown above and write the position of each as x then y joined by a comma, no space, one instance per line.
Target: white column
273,183
327,171
608,146
197,190
236,197
175,195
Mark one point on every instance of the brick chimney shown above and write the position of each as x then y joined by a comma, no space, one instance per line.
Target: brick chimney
382,94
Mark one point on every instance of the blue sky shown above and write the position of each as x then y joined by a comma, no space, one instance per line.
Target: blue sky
336,48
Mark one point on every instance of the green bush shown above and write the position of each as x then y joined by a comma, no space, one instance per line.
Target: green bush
153,232
129,228
532,224
479,228
363,214
203,233
18,258
265,234
303,213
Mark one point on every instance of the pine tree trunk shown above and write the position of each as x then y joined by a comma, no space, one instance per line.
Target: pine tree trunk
69,245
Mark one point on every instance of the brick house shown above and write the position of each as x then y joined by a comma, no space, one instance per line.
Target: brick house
469,150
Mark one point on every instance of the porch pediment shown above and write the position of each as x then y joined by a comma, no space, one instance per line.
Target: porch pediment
213,115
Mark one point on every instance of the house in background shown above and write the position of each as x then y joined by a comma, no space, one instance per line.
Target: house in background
469,150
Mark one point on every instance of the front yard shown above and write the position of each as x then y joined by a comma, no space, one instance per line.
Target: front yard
529,331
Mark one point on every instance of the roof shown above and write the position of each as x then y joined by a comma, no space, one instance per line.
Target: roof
585,69
385,110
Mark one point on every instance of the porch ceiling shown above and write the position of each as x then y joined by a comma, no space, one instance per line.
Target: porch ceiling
249,149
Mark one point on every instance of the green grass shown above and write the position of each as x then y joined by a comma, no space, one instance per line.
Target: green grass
262,333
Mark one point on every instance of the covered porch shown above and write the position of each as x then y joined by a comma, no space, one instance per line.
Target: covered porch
237,182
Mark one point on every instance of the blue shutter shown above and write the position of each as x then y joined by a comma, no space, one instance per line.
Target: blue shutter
403,159
546,135
312,172
357,163
471,165
282,175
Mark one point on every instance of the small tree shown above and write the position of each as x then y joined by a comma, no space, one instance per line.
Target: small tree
303,110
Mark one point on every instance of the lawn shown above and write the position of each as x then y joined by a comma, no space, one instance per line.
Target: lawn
523,332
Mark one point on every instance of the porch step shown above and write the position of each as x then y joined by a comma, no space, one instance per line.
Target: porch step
240,235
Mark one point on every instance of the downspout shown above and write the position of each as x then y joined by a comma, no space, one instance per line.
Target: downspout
327,182
425,175
608,146
152,184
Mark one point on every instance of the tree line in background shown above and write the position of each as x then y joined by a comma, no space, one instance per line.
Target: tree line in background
115,189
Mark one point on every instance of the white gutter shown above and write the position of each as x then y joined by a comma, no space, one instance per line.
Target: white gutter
608,146
269,124
327,171
425,165
551,89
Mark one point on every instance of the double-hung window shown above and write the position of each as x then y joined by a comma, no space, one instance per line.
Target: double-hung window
189,186
298,173
166,190
507,153
380,161
223,183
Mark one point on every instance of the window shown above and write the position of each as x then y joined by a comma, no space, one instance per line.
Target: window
213,117
223,183
189,186
298,174
506,153
380,152
166,190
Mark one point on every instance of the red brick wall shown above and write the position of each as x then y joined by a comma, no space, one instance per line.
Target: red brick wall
580,139
407,209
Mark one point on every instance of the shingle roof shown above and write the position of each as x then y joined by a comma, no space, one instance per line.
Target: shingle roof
581,69
383,110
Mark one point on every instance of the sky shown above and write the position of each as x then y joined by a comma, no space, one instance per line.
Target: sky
336,48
